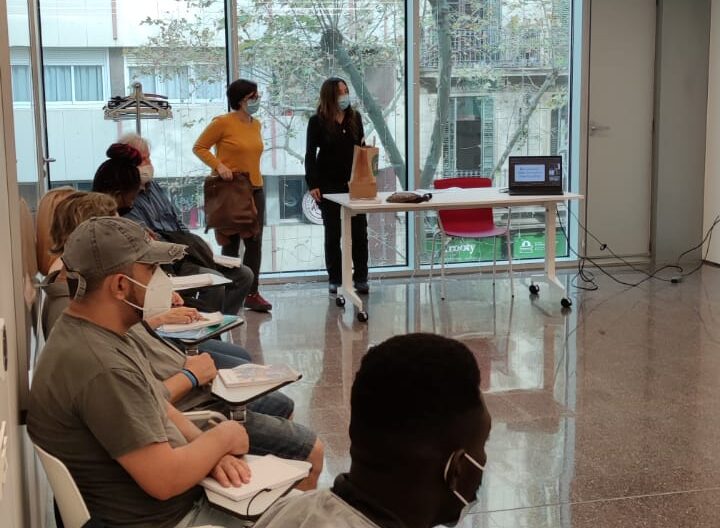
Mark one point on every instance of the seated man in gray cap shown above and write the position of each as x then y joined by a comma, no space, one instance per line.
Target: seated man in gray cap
96,405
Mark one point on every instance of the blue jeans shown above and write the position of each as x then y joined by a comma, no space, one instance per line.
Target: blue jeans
225,355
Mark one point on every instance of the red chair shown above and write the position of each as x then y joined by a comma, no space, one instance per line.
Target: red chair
468,223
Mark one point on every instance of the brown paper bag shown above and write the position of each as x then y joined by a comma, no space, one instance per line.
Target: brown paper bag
364,171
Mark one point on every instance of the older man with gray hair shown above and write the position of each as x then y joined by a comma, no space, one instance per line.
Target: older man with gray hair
154,210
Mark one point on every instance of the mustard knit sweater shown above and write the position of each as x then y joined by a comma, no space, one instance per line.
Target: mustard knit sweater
238,145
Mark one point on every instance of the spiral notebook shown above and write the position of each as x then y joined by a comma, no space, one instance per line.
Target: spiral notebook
268,472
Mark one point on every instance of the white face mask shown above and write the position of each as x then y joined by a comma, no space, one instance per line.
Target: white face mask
158,294
147,173
467,505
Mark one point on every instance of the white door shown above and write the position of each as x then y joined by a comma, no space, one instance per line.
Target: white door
621,93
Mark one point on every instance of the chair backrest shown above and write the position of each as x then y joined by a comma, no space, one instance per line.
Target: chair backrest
43,221
459,219
72,507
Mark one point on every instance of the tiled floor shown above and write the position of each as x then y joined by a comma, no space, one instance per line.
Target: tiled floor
605,416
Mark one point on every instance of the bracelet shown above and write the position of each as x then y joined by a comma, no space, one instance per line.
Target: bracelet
189,375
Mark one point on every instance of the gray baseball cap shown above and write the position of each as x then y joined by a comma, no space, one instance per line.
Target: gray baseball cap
104,245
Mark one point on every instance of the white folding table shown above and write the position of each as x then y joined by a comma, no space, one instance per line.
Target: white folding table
443,199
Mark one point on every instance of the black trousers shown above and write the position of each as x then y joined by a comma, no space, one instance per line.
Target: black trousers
333,254
253,245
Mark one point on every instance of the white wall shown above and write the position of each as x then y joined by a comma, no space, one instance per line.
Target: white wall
712,159
680,126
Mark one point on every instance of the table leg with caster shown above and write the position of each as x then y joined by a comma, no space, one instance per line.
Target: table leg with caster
550,275
347,289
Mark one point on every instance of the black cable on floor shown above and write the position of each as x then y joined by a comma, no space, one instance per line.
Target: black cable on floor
588,277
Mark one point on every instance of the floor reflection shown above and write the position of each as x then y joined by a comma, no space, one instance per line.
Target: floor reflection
611,403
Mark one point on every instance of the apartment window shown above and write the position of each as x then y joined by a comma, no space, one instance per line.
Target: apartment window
21,83
147,80
172,83
88,83
200,82
73,83
208,82
58,83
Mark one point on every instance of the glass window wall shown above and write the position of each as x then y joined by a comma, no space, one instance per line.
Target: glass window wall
493,82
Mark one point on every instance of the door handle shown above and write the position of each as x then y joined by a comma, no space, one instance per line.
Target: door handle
49,160
594,127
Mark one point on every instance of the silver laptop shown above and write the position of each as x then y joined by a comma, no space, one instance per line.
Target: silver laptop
535,175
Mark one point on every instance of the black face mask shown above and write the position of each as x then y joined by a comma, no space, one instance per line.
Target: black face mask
122,211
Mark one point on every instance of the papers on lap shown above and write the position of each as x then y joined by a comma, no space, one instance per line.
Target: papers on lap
228,262
192,281
267,472
249,375
207,319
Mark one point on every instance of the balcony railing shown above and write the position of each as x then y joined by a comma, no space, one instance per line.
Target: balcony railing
527,48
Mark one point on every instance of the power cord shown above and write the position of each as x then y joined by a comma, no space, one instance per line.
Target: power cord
588,277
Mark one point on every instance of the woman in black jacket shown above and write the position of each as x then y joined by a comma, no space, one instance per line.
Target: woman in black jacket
332,135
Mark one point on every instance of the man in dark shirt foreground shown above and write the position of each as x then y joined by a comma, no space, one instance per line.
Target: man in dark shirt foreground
418,427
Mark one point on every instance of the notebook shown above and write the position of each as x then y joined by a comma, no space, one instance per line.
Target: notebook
535,175
200,334
250,374
268,472
207,319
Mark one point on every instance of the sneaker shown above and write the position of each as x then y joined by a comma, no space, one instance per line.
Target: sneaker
257,303
333,287
362,287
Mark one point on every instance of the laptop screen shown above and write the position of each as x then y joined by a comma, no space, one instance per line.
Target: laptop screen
535,171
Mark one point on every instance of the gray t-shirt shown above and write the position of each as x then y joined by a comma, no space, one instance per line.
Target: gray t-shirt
315,509
165,361
93,399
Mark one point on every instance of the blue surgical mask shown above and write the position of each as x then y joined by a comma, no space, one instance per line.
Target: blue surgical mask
253,106
343,102
467,505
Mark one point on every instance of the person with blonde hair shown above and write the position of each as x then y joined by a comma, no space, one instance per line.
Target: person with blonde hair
75,208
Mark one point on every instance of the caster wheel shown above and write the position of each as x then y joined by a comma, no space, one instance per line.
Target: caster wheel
340,301
362,317
534,289
566,303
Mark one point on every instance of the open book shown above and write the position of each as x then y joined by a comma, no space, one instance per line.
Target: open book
207,319
268,472
249,374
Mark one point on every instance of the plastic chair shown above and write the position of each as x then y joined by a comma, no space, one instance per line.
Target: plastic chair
73,511
468,223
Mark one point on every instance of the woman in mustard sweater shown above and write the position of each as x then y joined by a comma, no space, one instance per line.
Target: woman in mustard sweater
238,146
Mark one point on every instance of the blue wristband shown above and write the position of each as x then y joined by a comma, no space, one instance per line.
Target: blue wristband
189,375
